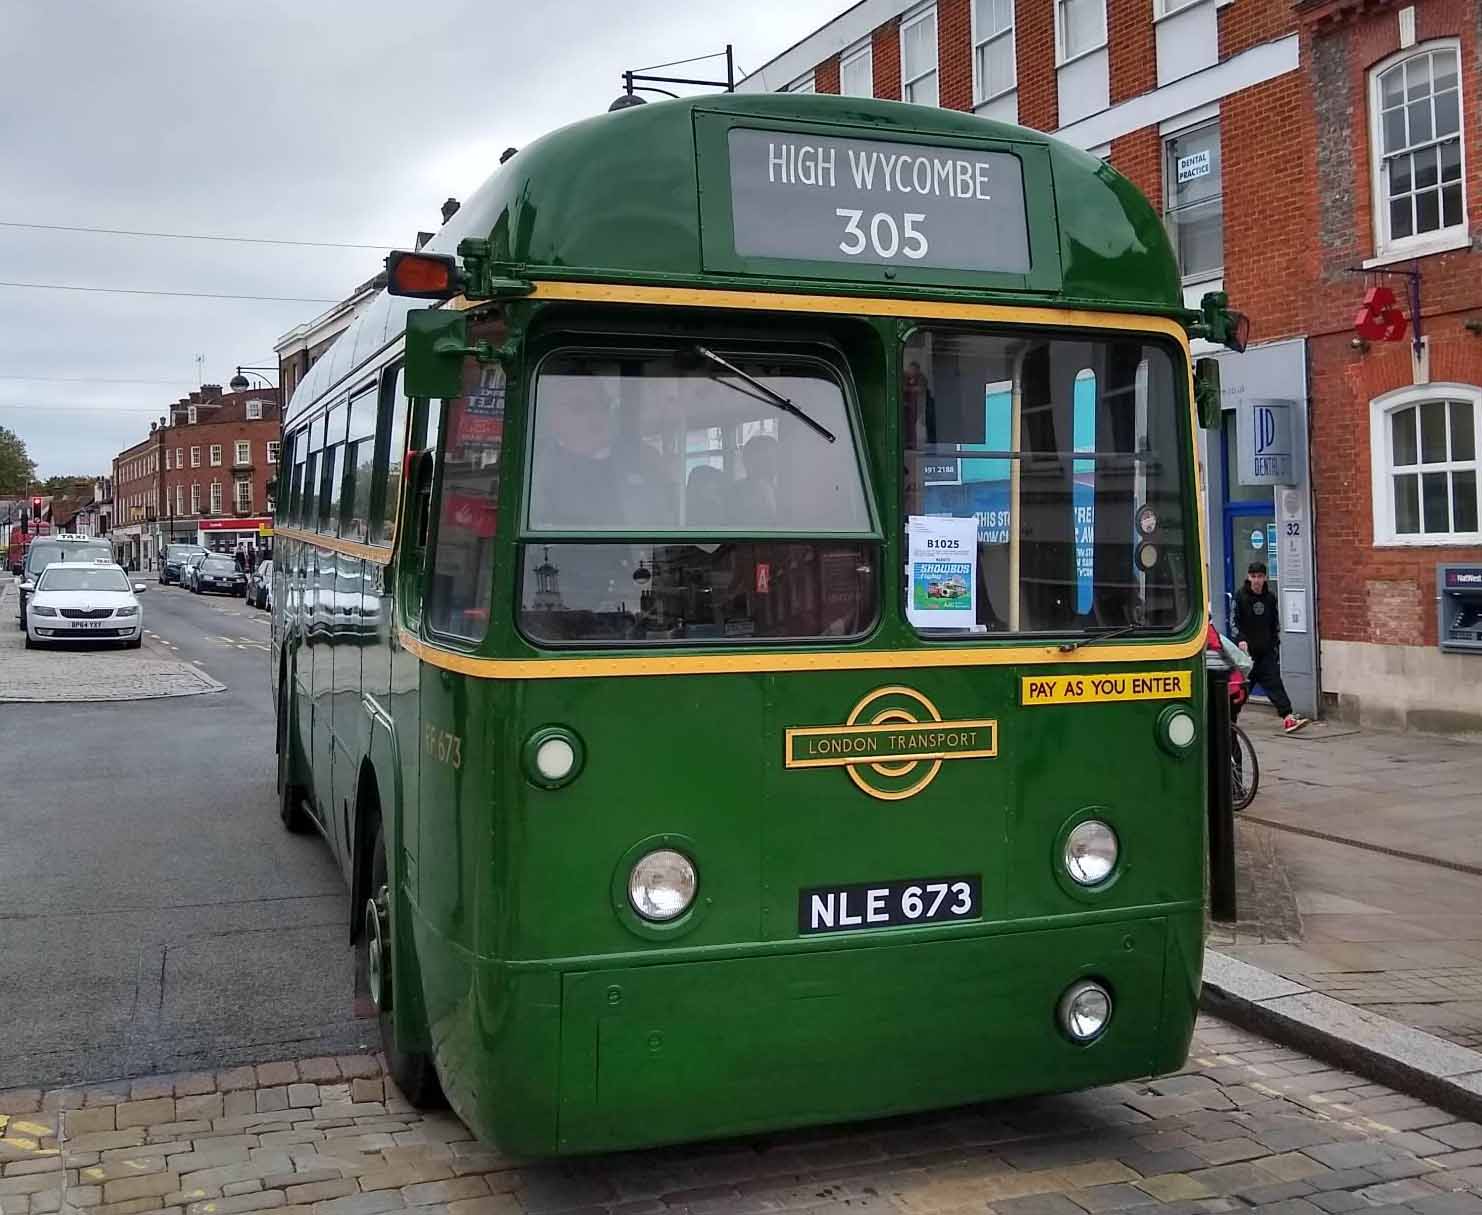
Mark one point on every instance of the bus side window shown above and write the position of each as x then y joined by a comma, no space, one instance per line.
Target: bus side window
460,589
294,498
333,469
392,442
308,515
360,448
431,427
287,466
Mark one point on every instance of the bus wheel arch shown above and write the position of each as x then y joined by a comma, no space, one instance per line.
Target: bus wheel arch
367,822
380,956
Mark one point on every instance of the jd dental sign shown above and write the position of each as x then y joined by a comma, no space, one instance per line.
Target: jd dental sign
1264,433
871,201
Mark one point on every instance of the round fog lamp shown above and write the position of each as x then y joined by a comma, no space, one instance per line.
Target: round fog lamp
1181,729
1084,1011
662,885
1178,730
555,758
1090,852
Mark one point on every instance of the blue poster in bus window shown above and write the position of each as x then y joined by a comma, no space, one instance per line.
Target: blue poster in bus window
1083,488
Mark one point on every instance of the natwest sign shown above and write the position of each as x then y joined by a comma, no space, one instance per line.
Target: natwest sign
235,525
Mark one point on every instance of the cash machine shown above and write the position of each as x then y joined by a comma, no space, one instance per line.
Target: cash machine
1459,595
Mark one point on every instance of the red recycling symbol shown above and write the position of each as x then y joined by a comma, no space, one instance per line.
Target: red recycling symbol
1379,320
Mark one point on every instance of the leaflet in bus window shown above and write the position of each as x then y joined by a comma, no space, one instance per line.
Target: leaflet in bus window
877,202
480,416
942,575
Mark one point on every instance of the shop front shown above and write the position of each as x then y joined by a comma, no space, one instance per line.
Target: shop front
229,535
1260,500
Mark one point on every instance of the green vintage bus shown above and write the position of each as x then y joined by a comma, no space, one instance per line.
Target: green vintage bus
742,639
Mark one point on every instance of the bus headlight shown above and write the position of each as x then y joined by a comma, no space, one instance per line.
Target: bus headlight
1084,1010
662,885
1090,852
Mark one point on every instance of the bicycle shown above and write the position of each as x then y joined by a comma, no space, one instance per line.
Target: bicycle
1245,769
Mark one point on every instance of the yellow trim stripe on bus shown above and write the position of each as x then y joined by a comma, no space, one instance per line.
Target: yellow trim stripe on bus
845,305
346,548
760,663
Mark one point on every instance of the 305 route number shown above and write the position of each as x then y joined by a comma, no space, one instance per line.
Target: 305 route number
886,237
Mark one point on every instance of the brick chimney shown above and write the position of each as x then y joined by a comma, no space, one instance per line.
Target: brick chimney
450,209
210,392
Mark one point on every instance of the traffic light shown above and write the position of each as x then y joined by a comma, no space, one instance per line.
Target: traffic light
36,514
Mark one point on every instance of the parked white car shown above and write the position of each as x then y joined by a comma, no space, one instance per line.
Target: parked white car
85,601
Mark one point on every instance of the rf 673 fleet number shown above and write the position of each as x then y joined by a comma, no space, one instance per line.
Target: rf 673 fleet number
889,904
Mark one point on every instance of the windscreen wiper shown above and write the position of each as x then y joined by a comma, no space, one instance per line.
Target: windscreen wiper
1068,647
775,397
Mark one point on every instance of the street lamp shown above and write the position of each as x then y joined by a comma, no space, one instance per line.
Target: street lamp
240,382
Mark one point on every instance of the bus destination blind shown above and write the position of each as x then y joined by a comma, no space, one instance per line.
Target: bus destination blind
817,198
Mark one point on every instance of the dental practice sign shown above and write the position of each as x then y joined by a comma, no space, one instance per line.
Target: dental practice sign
815,198
1263,428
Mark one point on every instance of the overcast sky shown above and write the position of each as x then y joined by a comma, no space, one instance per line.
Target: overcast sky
320,120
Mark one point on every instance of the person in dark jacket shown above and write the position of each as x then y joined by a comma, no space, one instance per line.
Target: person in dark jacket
1257,627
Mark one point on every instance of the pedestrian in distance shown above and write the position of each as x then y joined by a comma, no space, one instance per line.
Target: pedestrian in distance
1257,627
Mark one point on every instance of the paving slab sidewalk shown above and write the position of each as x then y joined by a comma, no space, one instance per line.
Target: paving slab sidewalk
1361,871
90,674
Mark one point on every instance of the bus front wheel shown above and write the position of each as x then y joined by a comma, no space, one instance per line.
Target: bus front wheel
413,1071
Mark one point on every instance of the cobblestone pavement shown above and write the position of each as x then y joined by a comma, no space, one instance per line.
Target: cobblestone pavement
1361,872
91,674
1247,1125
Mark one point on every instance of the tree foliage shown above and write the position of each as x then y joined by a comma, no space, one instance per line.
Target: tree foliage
17,469
66,487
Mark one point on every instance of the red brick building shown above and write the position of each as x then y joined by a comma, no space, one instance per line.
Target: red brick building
219,456
202,476
136,501
1302,151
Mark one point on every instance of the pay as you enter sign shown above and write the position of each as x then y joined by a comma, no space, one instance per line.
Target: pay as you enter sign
1095,686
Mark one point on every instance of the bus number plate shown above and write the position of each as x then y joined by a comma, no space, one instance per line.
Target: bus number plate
889,904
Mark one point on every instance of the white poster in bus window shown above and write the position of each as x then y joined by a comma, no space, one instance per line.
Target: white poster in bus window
942,572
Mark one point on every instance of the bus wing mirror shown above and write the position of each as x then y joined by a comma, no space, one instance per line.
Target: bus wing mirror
437,341
1207,392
